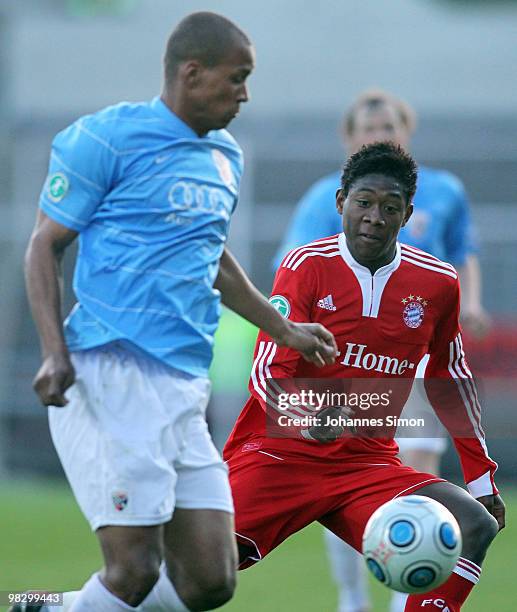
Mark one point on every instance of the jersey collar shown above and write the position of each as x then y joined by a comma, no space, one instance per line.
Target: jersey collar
360,270
179,126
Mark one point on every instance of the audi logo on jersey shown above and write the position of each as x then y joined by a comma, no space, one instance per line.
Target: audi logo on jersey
357,357
190,196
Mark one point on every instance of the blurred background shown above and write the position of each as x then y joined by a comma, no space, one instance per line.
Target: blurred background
452,60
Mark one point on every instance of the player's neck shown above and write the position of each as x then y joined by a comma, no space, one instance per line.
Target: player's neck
175,106
375,264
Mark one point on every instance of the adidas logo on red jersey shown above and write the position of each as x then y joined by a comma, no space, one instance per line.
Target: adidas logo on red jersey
327,303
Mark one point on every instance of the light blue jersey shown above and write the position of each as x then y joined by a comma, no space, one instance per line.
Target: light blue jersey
440,223
152,202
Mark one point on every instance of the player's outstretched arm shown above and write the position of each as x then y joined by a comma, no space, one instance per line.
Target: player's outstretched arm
43,279
312,340
474,317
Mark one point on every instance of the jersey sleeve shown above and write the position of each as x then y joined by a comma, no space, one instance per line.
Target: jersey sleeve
315,217
292,294
452,392
459,236
81,173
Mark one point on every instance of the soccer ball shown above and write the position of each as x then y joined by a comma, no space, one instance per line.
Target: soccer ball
411,544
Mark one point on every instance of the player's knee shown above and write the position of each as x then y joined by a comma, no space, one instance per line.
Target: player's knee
211,590
132,580
478,530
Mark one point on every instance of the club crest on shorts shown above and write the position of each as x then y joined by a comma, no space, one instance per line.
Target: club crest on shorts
120,500
414,310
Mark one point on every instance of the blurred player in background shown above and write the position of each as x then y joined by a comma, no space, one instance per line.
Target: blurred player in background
356,284
149,188
440,225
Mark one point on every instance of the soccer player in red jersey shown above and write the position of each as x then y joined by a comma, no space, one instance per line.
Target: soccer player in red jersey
387,305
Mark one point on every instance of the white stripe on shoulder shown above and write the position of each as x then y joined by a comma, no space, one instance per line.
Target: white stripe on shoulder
69,170
316,244
93,136
301,259
427,266
423,256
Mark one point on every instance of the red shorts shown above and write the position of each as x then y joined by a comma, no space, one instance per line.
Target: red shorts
277,494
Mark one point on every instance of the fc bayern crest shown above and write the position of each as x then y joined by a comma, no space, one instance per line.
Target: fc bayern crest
414,310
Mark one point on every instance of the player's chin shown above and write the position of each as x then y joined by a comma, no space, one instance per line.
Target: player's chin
221,122
372,250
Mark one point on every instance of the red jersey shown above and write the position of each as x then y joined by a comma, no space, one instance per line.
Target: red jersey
383,323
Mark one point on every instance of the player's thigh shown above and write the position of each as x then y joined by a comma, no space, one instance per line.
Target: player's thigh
477,526
200,546
379,484
202,475
456,499
275,495
118,456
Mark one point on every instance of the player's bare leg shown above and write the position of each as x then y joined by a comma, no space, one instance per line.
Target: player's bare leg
199,571
132,557
478,529
201,557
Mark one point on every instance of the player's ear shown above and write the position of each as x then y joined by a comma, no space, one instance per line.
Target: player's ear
190,72
408,213
340,200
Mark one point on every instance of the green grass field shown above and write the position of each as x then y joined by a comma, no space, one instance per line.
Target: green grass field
47,544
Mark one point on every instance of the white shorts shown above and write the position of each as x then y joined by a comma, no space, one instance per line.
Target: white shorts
134,442
433,436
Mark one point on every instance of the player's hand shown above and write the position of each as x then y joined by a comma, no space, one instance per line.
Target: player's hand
316,344
54,377
328,433
476,321
495,505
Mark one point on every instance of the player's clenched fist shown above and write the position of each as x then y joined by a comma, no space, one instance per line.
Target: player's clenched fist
54,377
312,340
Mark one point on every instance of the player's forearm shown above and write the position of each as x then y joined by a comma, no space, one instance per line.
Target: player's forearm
470,282
453,400
240,295
44,281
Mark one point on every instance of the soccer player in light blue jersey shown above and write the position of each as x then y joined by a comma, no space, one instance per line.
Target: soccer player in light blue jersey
440,225
149,190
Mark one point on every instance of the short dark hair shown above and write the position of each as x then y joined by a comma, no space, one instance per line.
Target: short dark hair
385,158
374,99
203,36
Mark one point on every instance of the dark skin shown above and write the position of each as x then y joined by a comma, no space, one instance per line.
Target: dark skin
374,211
209,97
197,544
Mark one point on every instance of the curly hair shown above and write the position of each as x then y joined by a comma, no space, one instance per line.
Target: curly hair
384,158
